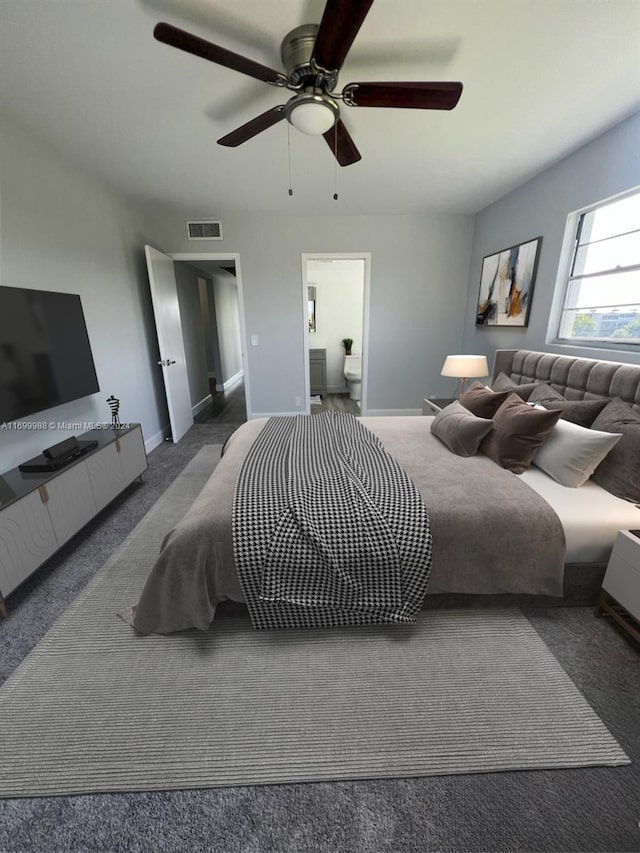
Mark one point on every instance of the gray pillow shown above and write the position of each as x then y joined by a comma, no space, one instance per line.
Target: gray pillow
518,431
502,382
461,431
572,453
581,412
619,473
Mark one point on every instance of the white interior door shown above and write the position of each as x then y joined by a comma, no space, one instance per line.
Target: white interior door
164,295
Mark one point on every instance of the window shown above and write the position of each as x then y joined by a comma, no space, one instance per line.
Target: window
602,292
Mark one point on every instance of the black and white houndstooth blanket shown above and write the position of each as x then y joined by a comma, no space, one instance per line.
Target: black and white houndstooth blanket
327,527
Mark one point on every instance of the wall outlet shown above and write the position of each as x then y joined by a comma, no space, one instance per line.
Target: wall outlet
298,402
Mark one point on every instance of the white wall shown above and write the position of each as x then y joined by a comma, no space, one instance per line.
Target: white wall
339,304
192,332
210,327
207,323
605,167
60,230
225,292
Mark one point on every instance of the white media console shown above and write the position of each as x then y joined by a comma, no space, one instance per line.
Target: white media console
40,512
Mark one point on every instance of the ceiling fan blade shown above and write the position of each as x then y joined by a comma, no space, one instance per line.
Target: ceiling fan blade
253,127
168,34
409,96
341,144
339,26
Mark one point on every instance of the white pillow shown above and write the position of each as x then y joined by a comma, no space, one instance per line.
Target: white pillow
572,453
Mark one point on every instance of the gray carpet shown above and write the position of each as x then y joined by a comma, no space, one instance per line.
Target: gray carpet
97,708
43,597
578,809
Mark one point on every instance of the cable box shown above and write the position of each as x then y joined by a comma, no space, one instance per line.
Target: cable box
44,465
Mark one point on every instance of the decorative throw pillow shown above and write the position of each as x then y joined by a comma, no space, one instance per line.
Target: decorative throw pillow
619,473
502,382
581,412
518,431
482,401
461,431
572,453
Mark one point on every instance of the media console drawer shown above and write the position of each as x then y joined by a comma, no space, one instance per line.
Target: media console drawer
40,512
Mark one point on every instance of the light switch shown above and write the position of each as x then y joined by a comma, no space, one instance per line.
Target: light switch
254,340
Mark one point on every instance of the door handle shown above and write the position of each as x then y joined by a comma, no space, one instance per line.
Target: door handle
165,362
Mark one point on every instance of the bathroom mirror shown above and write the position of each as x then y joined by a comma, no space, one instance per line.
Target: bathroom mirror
311,307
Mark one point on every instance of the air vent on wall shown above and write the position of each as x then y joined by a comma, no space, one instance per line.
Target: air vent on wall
204,229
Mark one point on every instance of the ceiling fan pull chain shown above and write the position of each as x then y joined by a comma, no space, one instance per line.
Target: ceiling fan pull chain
335,161
289,155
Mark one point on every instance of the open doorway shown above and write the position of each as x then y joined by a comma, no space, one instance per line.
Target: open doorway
186,308
210,316
222,316
336,320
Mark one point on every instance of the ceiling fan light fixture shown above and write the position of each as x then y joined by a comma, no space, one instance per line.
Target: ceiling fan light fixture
312,114
313,55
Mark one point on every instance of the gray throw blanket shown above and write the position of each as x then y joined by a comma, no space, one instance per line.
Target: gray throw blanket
328,529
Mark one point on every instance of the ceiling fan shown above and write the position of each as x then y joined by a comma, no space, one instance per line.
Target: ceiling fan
313,56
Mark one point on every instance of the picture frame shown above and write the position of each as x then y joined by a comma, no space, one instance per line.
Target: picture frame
507,280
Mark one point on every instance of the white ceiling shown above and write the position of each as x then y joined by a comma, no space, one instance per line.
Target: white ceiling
541,77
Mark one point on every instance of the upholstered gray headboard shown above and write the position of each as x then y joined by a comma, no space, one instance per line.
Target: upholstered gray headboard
574,378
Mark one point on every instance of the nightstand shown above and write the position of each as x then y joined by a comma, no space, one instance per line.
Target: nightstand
435,405
620,593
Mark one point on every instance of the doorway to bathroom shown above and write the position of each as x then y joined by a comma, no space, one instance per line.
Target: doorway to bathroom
336,310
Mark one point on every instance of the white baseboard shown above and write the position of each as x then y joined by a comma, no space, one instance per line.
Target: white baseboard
206,401
230,382
156,440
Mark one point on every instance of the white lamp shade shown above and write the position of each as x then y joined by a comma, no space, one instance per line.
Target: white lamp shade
465,366
312,117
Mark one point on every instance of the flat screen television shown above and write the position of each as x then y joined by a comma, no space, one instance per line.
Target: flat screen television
45,355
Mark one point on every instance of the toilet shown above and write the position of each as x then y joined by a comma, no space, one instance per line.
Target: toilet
353,375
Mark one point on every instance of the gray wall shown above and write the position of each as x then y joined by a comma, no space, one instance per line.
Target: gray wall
605,167
192,332
61,230
419,280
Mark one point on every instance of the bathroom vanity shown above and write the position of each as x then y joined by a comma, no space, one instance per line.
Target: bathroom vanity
318,371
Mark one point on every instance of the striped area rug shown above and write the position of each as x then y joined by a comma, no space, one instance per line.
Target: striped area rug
96,708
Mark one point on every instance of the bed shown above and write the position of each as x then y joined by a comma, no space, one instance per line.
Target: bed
496,537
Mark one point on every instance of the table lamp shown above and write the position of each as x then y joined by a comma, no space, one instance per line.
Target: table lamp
464,367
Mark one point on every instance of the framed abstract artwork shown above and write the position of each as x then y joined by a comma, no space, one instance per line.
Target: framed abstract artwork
506,285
